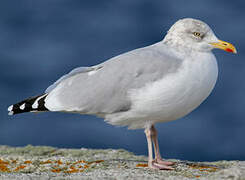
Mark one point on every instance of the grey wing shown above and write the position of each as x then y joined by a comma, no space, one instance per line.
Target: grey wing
72,73
105,89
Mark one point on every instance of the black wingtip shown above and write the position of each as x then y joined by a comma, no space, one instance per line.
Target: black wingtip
32,104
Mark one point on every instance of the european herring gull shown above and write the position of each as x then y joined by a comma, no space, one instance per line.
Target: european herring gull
158,83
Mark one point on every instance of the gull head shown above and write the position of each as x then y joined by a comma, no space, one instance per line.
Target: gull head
193,34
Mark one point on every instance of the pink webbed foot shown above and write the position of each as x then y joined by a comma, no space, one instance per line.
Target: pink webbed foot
156,165
161,161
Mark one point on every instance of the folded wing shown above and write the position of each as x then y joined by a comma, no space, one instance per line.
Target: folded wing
104,88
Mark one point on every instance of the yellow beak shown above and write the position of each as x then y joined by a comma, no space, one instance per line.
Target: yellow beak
225,46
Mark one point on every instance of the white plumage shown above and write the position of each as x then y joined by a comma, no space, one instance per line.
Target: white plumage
173,96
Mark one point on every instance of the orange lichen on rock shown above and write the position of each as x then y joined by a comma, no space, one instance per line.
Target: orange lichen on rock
57,165
27,162
59,162
86,166
4,162
56,170
72,170
209,169
205,168
14,161
19,168
81,161
46,162
141,165
4,168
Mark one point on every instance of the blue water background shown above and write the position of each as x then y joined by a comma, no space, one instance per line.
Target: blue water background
42,40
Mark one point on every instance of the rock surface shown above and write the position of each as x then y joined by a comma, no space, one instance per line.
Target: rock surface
41,162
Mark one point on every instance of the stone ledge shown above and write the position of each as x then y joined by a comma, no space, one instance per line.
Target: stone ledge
41,162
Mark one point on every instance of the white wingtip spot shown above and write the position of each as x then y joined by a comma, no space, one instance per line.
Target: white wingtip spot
11,113
10,108
35,105
22,107
90,73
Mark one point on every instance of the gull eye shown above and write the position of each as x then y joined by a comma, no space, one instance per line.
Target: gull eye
197,34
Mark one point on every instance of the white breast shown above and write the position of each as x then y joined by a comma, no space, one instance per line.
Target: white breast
177,94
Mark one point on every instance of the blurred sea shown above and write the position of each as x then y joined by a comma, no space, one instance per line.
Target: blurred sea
42,40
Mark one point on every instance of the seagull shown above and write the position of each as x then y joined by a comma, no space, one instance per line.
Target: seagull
158,83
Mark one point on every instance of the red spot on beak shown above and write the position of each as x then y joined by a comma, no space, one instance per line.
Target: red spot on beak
229,50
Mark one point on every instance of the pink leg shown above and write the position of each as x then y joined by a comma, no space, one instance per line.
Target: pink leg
152,163
158,158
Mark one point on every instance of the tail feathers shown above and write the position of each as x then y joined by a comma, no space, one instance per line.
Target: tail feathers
32,104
